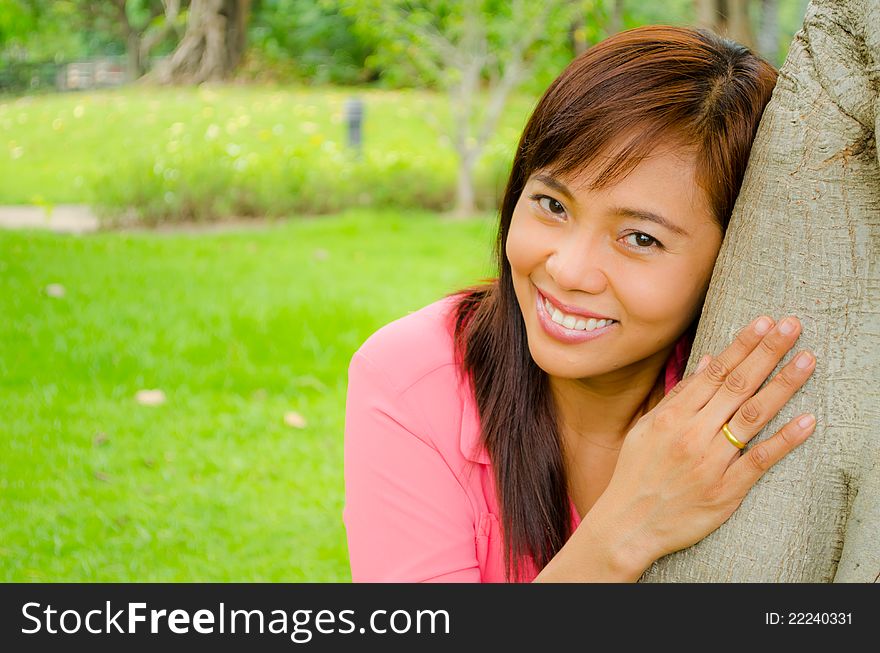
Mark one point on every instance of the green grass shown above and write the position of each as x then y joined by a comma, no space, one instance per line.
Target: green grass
201,153
237,329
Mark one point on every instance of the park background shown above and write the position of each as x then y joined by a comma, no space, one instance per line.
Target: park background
173,356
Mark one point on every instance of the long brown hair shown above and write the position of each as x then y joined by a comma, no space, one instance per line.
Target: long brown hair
642,85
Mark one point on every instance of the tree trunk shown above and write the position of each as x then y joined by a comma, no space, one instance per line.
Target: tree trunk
133,61
213,44
464,99
616,23
709,15
153,36
577,36
729,18
768,32
465,197
804,240
134,64
739,26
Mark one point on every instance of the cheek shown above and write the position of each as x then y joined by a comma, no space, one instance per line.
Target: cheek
663,296
524,245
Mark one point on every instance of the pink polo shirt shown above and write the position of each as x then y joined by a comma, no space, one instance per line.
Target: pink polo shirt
420,500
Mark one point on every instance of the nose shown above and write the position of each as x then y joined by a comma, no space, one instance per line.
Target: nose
577,263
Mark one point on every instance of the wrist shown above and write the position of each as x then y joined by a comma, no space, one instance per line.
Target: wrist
629,550
597,553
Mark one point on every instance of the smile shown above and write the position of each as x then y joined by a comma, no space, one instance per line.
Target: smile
560,329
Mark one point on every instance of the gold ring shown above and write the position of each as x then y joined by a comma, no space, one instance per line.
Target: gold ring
731,437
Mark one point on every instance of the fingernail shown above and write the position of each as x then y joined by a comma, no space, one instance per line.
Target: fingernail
803,360
806,421
703,362
787,326
763,326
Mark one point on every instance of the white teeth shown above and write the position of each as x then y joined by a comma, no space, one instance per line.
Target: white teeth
573,322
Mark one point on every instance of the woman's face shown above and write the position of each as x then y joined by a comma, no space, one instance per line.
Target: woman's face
595,251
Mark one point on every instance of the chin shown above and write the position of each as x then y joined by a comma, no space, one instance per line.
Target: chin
560,367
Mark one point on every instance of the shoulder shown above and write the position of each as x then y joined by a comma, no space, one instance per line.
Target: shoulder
407,370
412,347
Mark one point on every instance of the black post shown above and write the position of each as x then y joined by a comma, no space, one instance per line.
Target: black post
354,116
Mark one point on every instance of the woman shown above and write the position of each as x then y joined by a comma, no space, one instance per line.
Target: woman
537,428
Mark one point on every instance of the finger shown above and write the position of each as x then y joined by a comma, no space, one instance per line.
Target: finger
756,460
678,387
707,382
744,380
757,411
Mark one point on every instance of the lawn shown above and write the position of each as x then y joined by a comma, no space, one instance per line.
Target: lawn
238,329
201,153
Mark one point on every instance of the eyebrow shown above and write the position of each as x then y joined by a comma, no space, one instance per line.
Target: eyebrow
638,214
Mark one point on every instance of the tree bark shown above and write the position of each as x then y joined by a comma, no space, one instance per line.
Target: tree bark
729,18
804,240
768,32
152,37
709,15
616,23
739,26
577,36
213,44
465,195
134,65
471,133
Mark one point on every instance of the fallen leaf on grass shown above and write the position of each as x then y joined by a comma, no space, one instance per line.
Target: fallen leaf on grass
101,439
295,420
102,476
55,290
150,397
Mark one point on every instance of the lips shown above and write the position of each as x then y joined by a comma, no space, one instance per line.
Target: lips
572,310
559,332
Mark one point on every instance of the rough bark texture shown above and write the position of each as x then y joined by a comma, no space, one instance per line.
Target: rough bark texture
804,240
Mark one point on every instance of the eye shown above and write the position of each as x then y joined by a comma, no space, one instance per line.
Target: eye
548,204
644,242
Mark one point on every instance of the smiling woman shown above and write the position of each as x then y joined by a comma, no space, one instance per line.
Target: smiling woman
527,428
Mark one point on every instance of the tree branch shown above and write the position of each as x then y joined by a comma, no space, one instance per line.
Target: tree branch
153,38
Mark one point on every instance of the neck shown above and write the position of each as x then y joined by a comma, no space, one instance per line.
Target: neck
600,411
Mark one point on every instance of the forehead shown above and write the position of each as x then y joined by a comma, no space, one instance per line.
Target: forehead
664,181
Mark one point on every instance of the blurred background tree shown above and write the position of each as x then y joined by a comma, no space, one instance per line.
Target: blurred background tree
212,45
321,41
475,57
35,30
307,40
449,44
